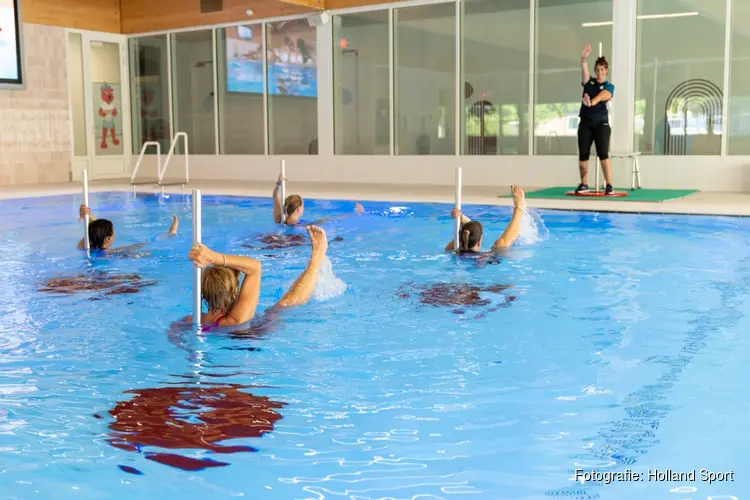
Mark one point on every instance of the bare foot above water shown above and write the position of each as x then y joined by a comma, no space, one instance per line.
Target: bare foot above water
519,197
319,240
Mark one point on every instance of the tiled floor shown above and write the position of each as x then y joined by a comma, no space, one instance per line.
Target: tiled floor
709,203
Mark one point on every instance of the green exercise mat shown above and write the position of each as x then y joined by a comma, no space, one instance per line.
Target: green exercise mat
652,195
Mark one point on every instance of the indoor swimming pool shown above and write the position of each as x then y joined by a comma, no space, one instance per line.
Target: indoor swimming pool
603,342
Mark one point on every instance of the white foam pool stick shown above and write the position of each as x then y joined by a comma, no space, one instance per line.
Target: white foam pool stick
456,241
283,191
86,241
197,237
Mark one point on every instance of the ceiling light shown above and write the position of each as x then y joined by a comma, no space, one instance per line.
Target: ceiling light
249,12
647,16
665,16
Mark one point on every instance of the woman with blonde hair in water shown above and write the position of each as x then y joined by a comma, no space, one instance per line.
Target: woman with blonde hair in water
232,299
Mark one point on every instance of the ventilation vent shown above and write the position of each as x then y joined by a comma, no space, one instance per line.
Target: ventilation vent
211,6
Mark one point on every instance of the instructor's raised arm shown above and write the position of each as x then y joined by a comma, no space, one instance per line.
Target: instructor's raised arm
585,75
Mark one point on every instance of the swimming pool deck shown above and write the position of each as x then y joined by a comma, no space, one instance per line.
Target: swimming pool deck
701,203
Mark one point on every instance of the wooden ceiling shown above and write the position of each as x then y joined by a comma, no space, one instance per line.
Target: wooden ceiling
94,15
142,16
345,4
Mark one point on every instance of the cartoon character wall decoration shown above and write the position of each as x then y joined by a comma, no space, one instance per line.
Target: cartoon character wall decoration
108,112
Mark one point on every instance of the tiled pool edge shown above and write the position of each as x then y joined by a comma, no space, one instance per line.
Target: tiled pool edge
702,203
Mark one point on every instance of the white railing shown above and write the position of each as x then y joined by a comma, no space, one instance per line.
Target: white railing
140,159
171,153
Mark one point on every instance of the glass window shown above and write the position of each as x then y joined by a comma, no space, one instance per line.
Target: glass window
495,65
292,87
425,79
193,89
240,79
562,30
679,77
77,96
738,140
360,80
150,90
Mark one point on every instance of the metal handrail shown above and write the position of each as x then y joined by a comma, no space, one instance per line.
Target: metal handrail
140,159
169,157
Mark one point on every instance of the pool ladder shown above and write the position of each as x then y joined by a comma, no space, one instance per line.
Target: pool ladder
159,169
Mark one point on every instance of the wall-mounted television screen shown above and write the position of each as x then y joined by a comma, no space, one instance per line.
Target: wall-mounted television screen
292,63
11,62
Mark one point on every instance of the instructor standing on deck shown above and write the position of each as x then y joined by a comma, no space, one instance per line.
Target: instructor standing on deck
594,125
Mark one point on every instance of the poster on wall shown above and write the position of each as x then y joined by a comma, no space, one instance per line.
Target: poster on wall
11,62
292,59
244,49
108,119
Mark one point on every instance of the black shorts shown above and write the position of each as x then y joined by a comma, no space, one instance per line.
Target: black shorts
593,132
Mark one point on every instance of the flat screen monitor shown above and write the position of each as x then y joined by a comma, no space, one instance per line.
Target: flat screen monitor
11,60
292,62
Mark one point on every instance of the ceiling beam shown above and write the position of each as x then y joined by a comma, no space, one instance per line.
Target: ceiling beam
143,16
315,4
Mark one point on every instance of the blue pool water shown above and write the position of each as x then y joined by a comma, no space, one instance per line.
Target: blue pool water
623,349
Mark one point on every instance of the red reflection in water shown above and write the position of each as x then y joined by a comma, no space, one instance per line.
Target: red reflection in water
96,281
456,295
450,294
191,418
277,241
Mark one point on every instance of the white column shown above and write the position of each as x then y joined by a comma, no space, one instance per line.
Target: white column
325,89
532,77
459,105
727,76
266,123
215,70
623,74
170,90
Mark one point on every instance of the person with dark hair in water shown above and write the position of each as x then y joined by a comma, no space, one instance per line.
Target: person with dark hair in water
594,125
102,232
471,231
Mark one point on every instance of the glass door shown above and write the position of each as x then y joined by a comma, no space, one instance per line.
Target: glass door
107,105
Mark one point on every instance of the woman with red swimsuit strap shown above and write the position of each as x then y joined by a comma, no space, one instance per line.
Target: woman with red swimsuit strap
231,299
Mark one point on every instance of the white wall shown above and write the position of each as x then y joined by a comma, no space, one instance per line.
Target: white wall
730,173
75,67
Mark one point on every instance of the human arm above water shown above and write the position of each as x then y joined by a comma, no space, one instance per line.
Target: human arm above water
464,220
278,203
82,212
247,301
510,235
358,209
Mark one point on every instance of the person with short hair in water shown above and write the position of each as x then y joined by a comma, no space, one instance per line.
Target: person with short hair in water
594,125
102,233
294,207
471,231
232,299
